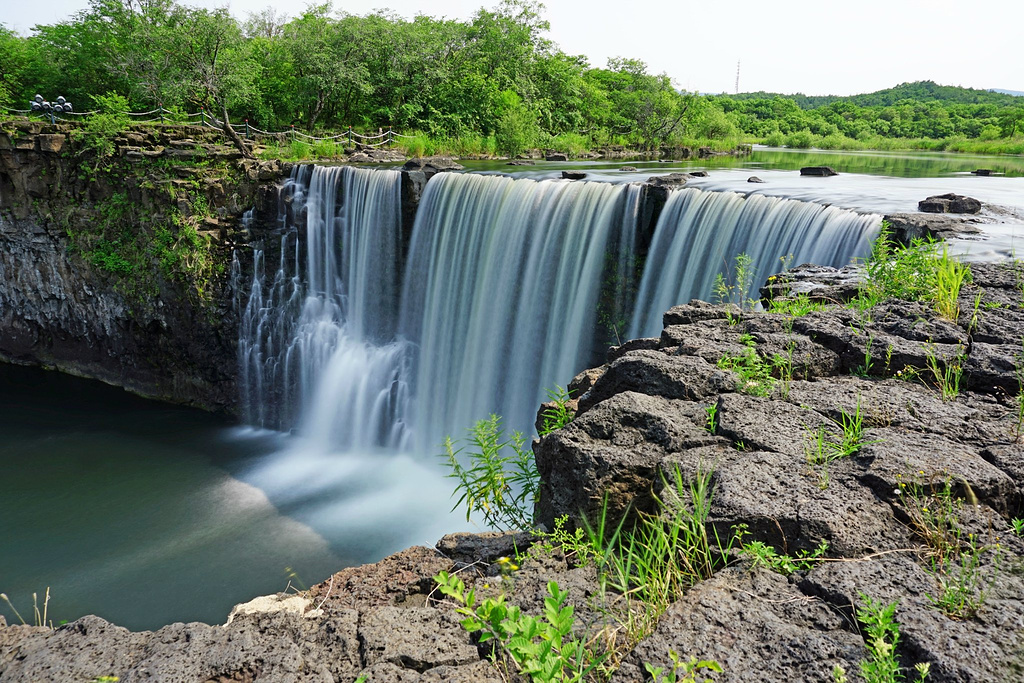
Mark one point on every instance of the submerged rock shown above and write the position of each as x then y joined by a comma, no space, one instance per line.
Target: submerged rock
573,175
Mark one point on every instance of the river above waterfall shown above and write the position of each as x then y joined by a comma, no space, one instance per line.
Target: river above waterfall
147,514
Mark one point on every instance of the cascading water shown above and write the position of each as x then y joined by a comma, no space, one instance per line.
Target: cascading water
316,348
700,233
510,286
503,289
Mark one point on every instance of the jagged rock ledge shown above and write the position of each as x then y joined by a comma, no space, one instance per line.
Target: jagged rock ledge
641,415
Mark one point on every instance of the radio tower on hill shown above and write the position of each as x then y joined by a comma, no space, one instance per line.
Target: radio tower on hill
737,77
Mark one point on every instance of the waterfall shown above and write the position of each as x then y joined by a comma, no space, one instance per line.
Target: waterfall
316,348
509,286
700,233
502,292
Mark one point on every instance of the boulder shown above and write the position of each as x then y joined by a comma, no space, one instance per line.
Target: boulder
982,171
754,179
907,227
556,156
627,168
432,165
573,175
698,174
521,162
50,143
669,180
949,203
819,171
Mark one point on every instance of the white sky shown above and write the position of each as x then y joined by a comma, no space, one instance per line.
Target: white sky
817,47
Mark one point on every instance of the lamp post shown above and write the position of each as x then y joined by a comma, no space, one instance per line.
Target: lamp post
51,109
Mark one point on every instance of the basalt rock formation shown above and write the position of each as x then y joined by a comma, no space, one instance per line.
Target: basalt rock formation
115,264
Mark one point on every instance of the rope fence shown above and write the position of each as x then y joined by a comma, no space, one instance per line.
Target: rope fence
162,115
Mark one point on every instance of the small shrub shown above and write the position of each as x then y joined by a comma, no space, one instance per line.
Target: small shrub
500,481
882,637
543,649
734,287
761,555
755,372
559,414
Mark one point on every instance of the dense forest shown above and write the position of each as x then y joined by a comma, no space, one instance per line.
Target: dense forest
495,79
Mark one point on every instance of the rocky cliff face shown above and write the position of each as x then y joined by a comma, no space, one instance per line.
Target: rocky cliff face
117,266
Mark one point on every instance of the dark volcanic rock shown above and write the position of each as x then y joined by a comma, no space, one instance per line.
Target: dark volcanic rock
949,203
754,179
818,283
627,168
820,171
573,175
432,165
907,227
616,448
669,180
758,626
556,156
986,648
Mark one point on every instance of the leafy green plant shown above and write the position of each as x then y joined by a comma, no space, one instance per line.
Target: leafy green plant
918,272
947,374
579,546
542,649
559,414
682,672
864,369
755,372
933,512
500,480
734,287
762,555
962,585
824,449
1018,525
711,415
796,306
882,637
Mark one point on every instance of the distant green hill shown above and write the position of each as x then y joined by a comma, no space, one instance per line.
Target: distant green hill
919,91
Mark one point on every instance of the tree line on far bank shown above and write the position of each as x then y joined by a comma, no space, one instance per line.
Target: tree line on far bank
494,82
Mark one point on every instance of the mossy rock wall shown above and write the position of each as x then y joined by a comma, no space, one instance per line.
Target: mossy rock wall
116,264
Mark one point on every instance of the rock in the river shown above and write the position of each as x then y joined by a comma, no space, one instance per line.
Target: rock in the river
820,171
754,179
573,175
949,203
431,165
907,227
556,156
669,180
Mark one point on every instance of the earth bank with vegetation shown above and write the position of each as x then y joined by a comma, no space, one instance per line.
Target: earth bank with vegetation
832,489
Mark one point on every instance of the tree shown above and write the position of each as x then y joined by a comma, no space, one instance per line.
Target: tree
214,66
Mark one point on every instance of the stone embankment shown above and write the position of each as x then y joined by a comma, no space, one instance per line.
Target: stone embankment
645,414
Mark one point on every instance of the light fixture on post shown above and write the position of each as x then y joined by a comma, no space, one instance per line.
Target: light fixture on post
40,106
